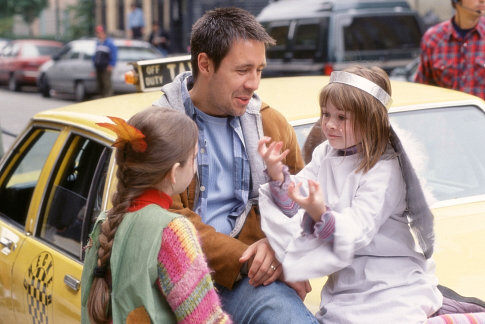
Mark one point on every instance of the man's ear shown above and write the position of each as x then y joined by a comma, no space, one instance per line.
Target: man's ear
205,63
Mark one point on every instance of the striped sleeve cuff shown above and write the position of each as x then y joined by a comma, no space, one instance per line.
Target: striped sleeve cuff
323,229
279,193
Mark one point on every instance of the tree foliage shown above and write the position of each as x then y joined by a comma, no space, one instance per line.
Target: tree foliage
82,19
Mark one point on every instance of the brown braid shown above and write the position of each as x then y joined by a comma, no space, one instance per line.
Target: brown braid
137,172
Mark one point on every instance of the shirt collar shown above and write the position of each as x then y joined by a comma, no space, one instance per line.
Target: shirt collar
479,28
151,196
349,150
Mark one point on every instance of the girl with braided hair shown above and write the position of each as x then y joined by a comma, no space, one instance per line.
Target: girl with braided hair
143,263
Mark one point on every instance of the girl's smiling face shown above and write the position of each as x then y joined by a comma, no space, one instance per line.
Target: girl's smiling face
337,126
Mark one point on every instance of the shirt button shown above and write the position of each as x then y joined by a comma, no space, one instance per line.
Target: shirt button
465,44
202,150
202,188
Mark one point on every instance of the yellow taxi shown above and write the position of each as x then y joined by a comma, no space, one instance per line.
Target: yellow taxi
58,175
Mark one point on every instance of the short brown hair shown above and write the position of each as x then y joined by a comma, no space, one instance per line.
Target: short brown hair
371,119
215,32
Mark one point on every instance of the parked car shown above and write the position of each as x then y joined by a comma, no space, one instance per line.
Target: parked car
59,174
3,42
20,61
72,70
319,36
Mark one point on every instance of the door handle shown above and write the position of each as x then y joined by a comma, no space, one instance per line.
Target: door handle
9,244
72,282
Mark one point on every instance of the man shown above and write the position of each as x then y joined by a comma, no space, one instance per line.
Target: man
136,21
228,55
453,52
160,39
104,59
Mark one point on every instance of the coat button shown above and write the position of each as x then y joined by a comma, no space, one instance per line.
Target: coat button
202,188
202,150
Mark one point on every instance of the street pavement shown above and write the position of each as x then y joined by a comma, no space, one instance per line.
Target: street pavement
16,109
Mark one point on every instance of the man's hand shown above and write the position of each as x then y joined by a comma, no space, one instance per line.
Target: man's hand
263,266
109,68
301,287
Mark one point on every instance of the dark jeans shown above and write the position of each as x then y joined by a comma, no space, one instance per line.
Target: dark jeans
104,82
136,33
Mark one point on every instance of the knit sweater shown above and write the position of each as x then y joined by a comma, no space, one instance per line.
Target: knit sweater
181,277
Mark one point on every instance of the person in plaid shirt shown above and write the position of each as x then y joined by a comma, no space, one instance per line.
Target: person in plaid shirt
453,52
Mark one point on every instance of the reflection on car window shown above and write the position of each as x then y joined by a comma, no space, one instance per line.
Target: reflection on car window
21,174
131,53
280,35
305,41
372,33
447,147
68,197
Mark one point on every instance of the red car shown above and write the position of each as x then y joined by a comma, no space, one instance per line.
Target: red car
20,61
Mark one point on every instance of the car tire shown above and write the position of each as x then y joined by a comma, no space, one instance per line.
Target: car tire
13,85
44,87
79,91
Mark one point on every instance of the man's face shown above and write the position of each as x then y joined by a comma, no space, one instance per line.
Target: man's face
236,79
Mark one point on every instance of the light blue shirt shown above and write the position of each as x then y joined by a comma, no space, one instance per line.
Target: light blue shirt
136,18
222,205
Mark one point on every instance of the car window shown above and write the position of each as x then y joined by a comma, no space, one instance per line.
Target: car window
448,148
75,194
307,39
279,31
131,53
21,173
377,33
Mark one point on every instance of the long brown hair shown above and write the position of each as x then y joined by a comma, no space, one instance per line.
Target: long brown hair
371,119
171,137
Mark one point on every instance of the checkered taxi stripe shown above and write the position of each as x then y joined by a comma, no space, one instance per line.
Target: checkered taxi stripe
38,285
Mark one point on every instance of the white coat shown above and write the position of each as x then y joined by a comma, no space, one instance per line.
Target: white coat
376,272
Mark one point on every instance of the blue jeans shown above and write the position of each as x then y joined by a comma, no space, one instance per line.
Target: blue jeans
275,303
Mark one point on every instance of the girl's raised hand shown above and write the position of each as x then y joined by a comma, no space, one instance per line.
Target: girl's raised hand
314,203
273,157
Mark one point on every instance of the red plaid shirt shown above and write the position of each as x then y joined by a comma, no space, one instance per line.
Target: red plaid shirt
451,61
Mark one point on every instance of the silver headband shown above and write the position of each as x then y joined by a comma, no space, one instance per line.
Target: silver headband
362,84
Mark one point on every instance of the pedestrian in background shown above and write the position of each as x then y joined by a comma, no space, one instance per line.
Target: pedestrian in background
453,52
136,21
160,39
104,60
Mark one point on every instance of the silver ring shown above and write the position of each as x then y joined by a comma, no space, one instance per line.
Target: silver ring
272,267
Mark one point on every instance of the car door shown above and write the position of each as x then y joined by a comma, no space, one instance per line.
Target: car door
21,179
46,280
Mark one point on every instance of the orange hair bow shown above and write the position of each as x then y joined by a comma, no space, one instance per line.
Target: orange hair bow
126,133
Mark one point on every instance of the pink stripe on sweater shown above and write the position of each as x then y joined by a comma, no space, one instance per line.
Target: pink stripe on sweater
170,245
186,285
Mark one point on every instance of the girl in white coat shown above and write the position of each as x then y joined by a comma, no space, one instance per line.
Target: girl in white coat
352,211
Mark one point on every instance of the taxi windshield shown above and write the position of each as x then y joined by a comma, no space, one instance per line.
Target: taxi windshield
447,148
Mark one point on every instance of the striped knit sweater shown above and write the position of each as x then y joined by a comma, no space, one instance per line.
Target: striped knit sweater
184,277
